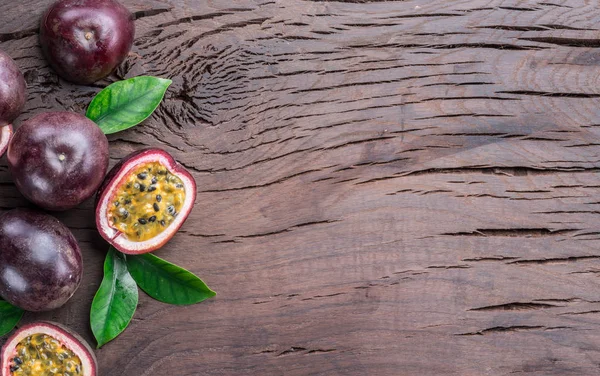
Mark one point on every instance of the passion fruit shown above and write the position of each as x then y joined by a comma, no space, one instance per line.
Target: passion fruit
12,90
47,348
12,97
40,261
85,40
144,201
58,159
5,135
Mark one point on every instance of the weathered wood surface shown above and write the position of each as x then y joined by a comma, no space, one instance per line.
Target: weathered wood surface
385,188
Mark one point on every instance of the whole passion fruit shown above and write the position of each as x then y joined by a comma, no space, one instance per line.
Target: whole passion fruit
85,40
40,261
143,201
12,90
58,159
12,97
47,348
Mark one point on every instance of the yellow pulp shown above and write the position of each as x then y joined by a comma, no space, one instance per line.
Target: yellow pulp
147,202
42,355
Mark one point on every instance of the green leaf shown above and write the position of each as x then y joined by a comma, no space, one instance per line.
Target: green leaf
127,103
116,300
167,282
9,317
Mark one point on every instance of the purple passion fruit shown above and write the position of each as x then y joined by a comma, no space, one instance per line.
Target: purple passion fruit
58,159
5,135
12,90
85,40
40,261
143,201
46,348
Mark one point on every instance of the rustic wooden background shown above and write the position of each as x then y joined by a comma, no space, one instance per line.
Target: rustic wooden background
385,188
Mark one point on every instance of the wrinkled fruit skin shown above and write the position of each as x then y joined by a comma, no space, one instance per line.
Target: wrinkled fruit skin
58,159
6,133
40,261
85,40
12,90
67,337
113,181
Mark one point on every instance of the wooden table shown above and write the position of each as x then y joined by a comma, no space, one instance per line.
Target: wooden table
385,188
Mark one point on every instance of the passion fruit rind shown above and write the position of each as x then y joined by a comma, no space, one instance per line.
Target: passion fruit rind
143,201
6,133
45,346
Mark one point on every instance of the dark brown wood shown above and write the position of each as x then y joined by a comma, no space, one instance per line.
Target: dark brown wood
385,188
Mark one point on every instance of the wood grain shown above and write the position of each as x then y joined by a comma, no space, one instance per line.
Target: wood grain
385,188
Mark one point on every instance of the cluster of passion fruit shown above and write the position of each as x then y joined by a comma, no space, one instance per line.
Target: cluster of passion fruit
58,160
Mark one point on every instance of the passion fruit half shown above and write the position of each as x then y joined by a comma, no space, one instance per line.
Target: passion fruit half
47,348
40,261
144,201
5,135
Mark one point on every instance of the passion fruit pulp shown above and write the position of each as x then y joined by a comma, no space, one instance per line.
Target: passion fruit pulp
46,348
144,201
58,159
40,261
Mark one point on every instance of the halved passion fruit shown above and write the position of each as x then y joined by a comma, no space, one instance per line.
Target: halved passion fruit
5,135
46,348
143,201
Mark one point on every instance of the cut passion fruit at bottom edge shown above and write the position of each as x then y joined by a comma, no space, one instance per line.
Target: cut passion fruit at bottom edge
47,348
143,201
6,133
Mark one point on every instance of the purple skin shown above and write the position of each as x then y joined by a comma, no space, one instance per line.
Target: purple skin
12,90
85,40
40,261
58,159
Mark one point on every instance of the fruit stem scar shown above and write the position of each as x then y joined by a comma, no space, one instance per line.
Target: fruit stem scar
61,157
88,35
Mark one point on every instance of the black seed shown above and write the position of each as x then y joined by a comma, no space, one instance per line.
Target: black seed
162,223
154,180
138,233
13,368
124,213
152,188
171,209
117,203
156,207
142,176
142,187
128,201
152,219
142,221
18,360
129,185
158,198
162,172
179,186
